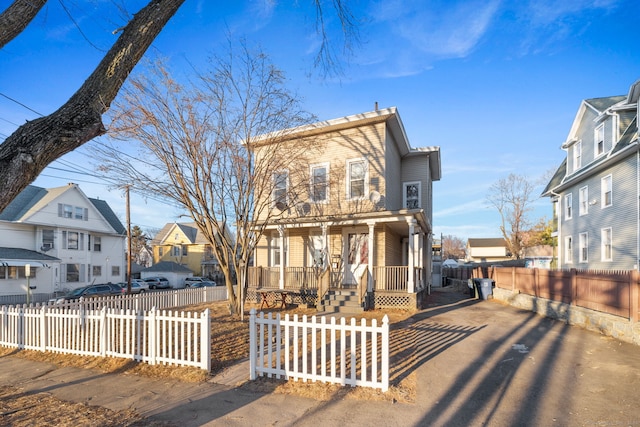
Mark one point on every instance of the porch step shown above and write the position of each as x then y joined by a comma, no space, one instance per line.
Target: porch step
341,301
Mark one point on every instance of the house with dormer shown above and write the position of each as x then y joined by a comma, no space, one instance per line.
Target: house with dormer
362,212
596,189
61,239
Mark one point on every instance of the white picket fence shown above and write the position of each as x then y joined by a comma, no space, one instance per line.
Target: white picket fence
149,300
346,354
154,336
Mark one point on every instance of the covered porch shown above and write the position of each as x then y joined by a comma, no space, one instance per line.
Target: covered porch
383,256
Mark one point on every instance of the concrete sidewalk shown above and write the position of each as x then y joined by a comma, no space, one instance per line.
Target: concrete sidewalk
478,363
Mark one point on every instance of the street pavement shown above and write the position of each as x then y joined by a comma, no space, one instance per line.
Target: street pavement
477,363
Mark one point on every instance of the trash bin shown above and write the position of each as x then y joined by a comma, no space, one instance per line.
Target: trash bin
484,288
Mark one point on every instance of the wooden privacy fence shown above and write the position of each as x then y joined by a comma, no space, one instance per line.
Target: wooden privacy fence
154,336
314,350
612,292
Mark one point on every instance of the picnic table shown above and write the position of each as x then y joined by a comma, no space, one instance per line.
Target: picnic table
274,298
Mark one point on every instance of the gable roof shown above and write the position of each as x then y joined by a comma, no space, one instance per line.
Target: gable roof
189,229
33,198
167,267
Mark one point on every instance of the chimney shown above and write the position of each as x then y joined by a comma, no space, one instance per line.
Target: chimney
375,106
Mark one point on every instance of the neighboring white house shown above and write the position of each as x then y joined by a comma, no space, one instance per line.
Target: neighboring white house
64,238
487,250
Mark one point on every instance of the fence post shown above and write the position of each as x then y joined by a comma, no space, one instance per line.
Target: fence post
43,328
252,344
633,295
574,286
385,353
152,326
103,331
205,337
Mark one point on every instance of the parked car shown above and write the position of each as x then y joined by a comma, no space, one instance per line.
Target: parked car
136,287
190,281
90,291
157,283
203,284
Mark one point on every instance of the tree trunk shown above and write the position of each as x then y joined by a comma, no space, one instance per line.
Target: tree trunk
16,18
34,145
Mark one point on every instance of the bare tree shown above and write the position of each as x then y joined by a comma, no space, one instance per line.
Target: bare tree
197,143
37,143
453,247
513,197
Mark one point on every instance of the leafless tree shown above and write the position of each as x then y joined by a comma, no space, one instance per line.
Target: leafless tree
197,143
453,247
37,143
513,197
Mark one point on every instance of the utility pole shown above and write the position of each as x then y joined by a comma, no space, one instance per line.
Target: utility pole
128,239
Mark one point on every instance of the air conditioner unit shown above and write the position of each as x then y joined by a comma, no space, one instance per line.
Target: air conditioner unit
46,247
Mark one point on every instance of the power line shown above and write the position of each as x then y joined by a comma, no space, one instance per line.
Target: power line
21,104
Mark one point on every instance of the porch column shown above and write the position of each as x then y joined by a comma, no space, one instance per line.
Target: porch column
411,261
282,256
370,244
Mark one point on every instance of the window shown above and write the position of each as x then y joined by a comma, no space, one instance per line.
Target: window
160,251
71,212
79,213
115,270
184,250
583,196
568,206
73,272
568,249
577,156
356,178
607,244
598,137
95,243
72,239
319,183
65,211
276,252
411,195
280,188
97,270
176,250
47,239
606,184
583,243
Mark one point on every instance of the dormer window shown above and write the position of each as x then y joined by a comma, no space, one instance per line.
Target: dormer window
598,137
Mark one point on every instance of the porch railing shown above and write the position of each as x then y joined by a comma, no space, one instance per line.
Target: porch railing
385,278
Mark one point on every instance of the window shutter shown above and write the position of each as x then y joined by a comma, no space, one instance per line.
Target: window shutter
82,268
64,240
86,214
60,210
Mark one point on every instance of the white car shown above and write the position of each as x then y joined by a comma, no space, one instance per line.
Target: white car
190,281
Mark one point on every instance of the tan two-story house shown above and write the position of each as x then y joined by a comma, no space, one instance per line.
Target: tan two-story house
364,213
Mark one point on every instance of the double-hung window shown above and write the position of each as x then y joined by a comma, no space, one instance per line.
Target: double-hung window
607,244
583,195
583,243
568,206
411,195
568,249
577,156
319,183
280,180
598,138
607,189
47,239
356,178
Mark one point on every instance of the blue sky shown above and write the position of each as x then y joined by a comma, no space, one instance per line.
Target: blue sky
495,84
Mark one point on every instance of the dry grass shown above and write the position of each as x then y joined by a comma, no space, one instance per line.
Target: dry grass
229,343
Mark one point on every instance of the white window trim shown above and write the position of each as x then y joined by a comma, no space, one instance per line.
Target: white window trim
568,206
577,159
603,192
583,197
274,243
311,183
286,189
568,250
404,193
602,244
348,178
583,243
598,128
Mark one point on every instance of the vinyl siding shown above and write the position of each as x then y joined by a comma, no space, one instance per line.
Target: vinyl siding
416,168
621,217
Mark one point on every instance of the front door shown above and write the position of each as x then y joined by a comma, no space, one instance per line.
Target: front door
356,256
